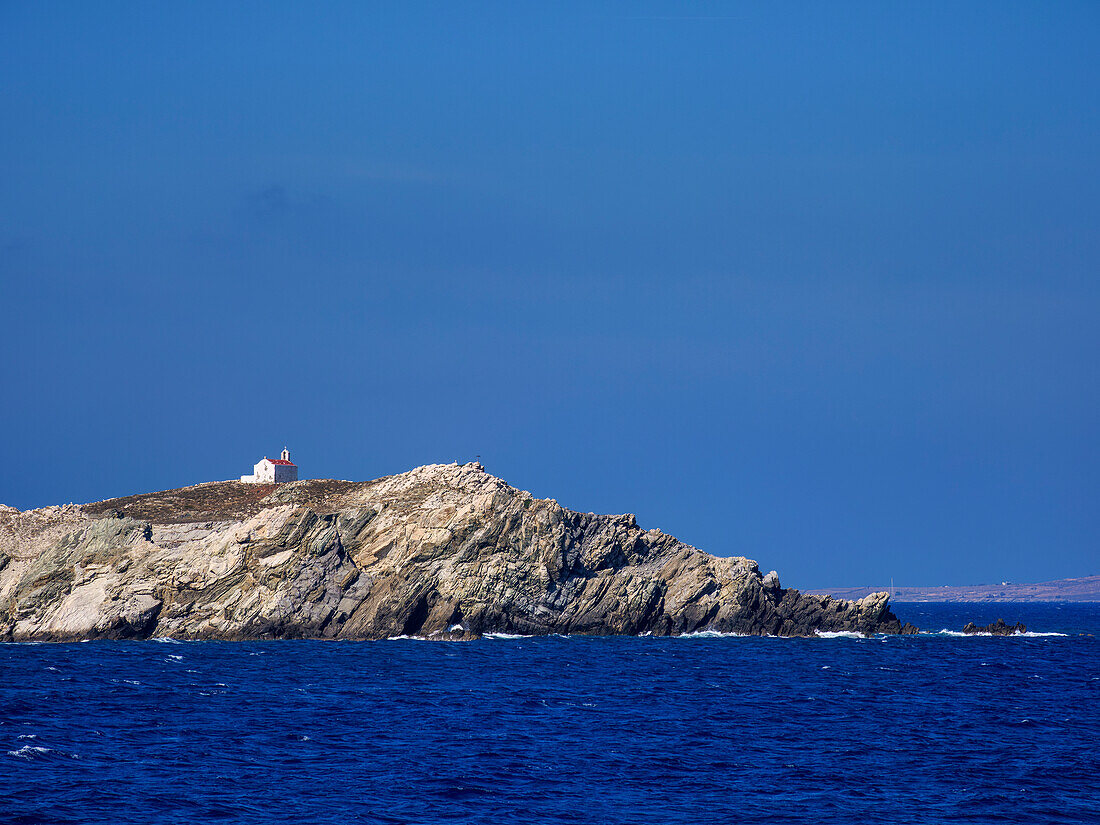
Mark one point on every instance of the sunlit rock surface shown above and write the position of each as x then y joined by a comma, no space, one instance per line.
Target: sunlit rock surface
443,551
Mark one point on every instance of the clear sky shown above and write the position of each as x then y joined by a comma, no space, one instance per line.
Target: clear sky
815,283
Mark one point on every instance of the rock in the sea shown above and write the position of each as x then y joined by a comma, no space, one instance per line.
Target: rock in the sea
998,628
443,551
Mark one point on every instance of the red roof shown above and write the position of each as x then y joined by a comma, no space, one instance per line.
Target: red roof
282,461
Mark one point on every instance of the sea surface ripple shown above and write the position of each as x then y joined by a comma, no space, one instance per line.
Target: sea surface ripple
927,729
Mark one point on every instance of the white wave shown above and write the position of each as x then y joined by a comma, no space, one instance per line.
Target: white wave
28,736
166,640
505,636
404,638
838,634
174,658
455,628
959,634
712,634
30,751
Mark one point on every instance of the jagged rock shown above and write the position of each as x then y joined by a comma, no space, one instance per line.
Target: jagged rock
998,628
443,551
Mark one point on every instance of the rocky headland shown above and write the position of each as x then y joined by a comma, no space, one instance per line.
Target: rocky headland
443,551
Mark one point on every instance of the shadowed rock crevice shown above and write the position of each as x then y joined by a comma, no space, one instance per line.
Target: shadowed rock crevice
443,551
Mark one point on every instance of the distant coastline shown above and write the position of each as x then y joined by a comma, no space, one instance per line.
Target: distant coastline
1082,589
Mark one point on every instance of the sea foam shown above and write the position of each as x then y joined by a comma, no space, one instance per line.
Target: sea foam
711,634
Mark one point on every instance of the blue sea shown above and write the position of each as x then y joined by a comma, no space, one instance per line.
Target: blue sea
926,729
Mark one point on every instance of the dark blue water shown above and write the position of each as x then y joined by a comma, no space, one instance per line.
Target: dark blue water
903,730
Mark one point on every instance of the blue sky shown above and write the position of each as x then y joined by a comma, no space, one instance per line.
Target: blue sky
812,283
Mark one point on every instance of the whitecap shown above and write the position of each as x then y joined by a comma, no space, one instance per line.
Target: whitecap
838,634
959,635
30,751
712,634
505,636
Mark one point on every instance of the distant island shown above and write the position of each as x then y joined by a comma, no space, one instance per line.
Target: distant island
445,551
1083,589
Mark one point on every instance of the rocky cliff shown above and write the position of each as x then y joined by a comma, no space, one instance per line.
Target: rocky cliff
443,551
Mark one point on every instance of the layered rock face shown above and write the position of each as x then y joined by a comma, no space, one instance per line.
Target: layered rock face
443,551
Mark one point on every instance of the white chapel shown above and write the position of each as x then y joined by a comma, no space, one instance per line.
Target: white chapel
273,470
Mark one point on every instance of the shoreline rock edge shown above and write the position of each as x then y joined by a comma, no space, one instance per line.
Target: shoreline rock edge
444,551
